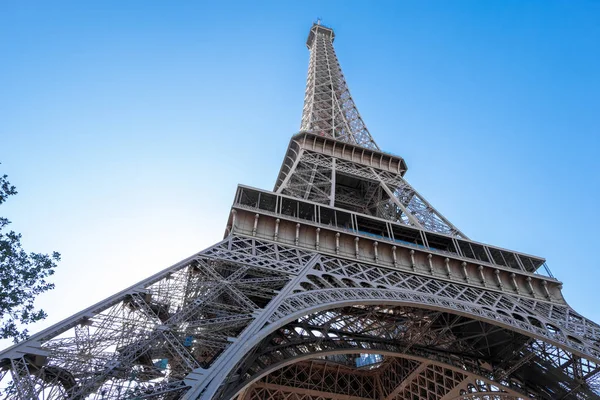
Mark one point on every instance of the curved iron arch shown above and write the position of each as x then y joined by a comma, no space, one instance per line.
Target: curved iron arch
302,303
512,393
270,354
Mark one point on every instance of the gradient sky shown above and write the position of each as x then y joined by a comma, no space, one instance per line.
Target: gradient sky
126,126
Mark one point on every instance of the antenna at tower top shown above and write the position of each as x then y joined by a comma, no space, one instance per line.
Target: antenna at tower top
318,21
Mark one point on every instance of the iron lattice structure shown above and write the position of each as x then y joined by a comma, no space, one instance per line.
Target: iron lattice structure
341,283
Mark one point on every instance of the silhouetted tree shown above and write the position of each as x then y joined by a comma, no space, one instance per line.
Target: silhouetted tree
22,277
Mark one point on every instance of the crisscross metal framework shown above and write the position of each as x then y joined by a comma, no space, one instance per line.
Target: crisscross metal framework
329,109
343,283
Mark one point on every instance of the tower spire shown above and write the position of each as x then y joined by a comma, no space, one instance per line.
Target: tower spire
328,106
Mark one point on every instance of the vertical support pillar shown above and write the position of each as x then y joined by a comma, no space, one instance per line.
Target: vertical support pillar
498,280
394,256
337,243
513,277
332,194
481,275
447,263
375,244
256,216
233,220
276,235
318,230
431,270
530,285
546,291
412,260
297,234
356,252
465,272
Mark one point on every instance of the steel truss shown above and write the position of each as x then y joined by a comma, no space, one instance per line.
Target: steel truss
280,304
319,177
275,311
329,109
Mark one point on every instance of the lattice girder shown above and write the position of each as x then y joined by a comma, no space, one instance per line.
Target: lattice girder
303,342
449,338
151,336
435,380
265,391
316,290
318,172
328,106
211,297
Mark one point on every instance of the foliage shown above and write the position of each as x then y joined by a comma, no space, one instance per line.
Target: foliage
23,276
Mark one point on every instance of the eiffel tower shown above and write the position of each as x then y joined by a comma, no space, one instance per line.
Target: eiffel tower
341,283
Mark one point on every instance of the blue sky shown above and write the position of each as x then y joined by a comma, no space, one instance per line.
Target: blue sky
126,126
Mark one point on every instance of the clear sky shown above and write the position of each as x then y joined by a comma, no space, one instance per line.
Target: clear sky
126,126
